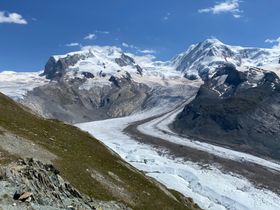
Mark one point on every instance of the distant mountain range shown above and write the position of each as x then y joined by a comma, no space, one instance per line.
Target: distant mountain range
104,82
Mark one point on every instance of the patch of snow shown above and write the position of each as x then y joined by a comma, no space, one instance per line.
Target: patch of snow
16,84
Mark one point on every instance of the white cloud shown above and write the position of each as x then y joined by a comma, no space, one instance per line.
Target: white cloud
148,51
276,42
90,36
6,17
143,60
129,46
125,44
102,32
167,16
270,41
144,51
228,6
237,15
73,44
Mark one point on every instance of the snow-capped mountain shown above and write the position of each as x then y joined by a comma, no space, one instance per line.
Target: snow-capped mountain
98,65
103,81
202,59
105,65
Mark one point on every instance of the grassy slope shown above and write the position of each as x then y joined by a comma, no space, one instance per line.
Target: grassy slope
80,153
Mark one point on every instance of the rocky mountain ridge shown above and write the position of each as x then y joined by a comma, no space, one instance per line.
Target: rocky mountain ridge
202,59
236,109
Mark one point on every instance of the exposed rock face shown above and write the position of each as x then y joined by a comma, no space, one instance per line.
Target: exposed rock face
127,59
88,75
66,101
54,69
139,70
236,109
30,184
124,60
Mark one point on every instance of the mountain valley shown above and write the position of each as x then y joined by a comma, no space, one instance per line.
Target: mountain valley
165,129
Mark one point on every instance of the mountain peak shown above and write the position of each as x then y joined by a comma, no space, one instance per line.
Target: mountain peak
212,41
202,59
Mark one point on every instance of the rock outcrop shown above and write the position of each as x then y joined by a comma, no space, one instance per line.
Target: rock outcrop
236,109
66,101
55,68
30,184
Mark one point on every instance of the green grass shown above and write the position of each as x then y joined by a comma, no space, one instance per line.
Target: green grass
79,153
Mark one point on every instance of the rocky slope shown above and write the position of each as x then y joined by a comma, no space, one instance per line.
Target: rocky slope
97,175
237,109
29,184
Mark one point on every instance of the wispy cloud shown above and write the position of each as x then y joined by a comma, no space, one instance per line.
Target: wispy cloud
73,44
167,16
275,42
90,36
228,6
6,17
137,49
148,51
102,32
124,44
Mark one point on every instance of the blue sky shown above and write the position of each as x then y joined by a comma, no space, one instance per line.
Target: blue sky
32,30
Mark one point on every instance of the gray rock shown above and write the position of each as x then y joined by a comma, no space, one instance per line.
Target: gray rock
65,100
236,109
54,69
124,60
88,75
139,70
27,179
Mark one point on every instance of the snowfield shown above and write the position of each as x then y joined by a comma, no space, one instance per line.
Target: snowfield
16,84
208,186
